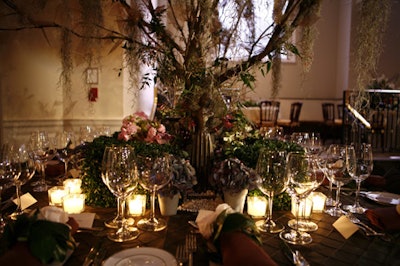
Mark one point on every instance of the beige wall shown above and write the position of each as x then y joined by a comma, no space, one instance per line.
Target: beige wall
31,97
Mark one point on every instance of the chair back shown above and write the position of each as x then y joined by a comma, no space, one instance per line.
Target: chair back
295,109
340,111
269,111
328,112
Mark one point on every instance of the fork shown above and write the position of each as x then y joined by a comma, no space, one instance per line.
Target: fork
182,254
191,246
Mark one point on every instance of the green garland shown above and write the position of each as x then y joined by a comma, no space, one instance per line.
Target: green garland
97,194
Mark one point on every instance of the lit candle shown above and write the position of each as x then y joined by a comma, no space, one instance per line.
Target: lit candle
74,185
74,203
137,205
304,208
256,206
56,195
318,199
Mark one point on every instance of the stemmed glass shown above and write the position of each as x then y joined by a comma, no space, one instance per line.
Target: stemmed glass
40,145
272,181
27,168
304,176
154,173
121,179
339,163
364,168
117,220
63,144
8,171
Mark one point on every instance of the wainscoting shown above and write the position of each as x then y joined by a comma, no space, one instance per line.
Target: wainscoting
18,132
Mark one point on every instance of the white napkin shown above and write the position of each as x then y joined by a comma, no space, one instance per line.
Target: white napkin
53,214
206,218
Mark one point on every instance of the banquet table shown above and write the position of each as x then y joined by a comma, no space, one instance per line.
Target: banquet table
328,246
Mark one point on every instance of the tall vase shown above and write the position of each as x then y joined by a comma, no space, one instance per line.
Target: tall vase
236,199
201,154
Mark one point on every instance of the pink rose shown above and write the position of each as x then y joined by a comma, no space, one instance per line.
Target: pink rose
142,115
151,134
161,128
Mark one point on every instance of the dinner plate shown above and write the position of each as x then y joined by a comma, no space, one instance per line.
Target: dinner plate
383,197
140,257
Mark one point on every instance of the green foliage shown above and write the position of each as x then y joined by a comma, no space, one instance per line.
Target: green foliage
97,194
48,241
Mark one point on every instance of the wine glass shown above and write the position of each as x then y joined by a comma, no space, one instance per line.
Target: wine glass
272,181
40,145
339,166
117,220
364,168
121,179
304,175
154,174
28,169
64,143
6,178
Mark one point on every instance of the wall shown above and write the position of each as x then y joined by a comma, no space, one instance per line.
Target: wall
31,97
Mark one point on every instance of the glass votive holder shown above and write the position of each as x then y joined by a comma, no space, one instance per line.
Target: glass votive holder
56,195
74,203
318,199
304,209
256,206
73,184
137,205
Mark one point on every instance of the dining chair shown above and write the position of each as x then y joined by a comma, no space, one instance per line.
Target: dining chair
328,113
269,111
293,121
378,126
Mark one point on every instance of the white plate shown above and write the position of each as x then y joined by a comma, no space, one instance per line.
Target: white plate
383,197
140,257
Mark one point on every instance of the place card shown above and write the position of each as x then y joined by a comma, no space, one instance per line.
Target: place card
27,200
84,220
345,226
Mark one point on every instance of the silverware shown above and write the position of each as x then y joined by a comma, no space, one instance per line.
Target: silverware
191,246
94,252
181,255
295,256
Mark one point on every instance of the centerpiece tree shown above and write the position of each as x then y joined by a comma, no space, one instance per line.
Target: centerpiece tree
191,46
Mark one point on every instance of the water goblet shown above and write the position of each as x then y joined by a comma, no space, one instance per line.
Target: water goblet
338,164
28,168
121,179
63,145
117,220
9,169
154,173
302,171
40,146
364,168
272,181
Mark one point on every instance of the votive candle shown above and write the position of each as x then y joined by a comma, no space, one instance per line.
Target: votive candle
318,199
304,208
73,184
56,195
137,205
256,206
74,203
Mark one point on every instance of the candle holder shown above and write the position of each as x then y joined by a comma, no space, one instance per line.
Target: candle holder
74,203
137,205
256,206
56,195
74,185
318,199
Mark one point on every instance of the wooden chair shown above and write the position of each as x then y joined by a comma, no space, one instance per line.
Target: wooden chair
328,113
295,109
378,125
269,111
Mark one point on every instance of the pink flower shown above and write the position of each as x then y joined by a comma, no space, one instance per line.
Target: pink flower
151,134
161,129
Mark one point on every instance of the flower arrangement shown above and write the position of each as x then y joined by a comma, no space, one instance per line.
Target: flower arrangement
184,178
231,174
139,127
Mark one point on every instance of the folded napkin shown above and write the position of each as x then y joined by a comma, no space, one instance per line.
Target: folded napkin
386,218
236,248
